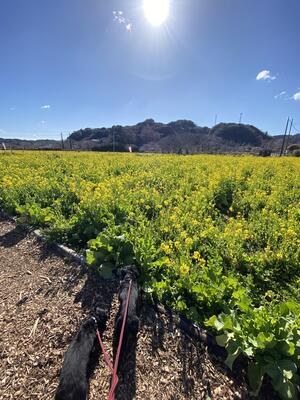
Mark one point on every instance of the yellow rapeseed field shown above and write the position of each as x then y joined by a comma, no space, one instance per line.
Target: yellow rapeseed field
216,237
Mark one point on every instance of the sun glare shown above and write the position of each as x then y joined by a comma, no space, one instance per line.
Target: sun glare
156,11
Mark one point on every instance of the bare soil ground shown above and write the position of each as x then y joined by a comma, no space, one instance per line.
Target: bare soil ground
43,299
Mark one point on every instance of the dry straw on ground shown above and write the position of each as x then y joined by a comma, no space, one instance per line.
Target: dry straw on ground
43,300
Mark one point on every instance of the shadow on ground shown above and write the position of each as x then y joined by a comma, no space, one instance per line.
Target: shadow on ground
13,237
192,354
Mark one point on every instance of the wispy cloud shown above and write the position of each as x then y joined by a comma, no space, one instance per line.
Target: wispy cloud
281,94
265,75
118,16
12,108
43,122
296,96
46,107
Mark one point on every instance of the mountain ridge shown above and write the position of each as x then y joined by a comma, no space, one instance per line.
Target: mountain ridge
181,137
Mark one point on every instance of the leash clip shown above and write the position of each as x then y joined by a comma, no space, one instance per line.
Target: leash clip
95,321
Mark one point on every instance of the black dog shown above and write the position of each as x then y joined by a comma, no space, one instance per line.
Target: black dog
73,383
129,273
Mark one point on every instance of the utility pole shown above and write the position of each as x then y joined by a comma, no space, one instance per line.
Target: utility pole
216,119
241,116
289,135
62,141
283,140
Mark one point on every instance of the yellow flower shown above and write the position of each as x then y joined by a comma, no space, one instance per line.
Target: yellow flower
184,269
165,248
183,234
290,232
196,256
177,244
189,241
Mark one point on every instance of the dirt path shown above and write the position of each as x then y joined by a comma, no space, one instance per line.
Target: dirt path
43,299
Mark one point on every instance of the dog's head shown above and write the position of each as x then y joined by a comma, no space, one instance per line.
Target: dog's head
129,272
100,318
89,325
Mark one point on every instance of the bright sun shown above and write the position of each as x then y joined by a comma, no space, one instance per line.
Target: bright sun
156,11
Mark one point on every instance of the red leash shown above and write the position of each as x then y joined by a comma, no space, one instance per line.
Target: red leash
111,395
106,356
114,369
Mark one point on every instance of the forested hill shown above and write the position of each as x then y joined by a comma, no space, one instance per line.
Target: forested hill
181,137
175,137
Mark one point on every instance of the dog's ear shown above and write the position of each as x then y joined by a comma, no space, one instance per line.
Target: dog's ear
89,325
122,273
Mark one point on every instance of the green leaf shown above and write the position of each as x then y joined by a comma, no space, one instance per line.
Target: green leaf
227,323
287,365
255,376
265,340
249,351
214,323
287,348
253,341
233,350
48,218
273,371
222,340
286,389
180,305
105,270
90,258
231,358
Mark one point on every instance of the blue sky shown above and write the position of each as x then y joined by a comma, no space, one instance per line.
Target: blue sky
70,64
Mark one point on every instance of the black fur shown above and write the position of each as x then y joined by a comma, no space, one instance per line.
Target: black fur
73,383
129,273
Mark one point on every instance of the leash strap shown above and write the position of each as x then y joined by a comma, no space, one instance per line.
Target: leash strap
115,376
114,368
106,356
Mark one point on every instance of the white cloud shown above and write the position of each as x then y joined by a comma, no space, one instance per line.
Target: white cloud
296,96
265,75
118,16
43,122
281,94
46,107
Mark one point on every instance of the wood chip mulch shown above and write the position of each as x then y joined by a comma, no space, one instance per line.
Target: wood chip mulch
43,299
